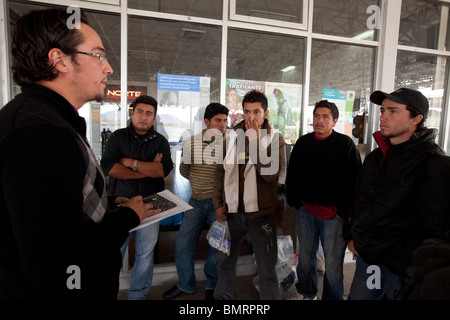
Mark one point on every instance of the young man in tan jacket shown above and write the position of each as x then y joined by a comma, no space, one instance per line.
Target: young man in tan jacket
245,195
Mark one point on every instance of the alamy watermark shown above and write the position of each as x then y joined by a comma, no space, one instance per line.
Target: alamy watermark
239,147
374,21
74,280
374,280
73,22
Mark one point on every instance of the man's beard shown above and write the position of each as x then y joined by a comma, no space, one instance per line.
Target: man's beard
392,134
99,97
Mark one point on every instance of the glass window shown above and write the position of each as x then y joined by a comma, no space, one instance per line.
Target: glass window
427,74
199,8
270,63
424,24
346,18
179,65
342,74
279,10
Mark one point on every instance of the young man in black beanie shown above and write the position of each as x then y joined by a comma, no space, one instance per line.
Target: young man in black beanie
402,196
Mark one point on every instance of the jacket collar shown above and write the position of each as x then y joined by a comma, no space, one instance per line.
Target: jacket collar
58,104
147,136
418,137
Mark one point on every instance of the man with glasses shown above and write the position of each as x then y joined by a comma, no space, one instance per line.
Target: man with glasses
138,158
58,240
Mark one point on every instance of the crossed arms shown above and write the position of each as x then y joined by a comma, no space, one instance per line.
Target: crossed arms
123,168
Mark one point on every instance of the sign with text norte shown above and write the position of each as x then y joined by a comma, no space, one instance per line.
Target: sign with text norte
114,92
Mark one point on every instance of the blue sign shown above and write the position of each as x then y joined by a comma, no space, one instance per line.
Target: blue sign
178,82
333,94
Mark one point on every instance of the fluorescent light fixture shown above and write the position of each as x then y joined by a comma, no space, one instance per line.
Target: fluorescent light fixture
364,35
287,69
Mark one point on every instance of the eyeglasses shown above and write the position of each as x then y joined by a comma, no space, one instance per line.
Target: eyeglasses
101,57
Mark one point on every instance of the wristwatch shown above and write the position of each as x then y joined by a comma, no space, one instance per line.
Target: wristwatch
134,166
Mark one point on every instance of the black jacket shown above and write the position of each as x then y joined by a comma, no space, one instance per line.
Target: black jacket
43,229
323,172
126,143
402,199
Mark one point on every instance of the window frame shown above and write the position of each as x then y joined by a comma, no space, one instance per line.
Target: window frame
276,23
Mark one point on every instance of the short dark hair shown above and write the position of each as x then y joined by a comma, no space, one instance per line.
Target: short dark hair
214,109
145,100
329,105
35,34
255,96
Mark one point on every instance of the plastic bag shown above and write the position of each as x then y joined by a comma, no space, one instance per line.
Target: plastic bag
287,262
285,248
218,236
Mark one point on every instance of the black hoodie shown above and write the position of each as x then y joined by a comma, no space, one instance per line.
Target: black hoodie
403,198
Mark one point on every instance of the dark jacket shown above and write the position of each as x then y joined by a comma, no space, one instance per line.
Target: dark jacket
43,229
267,185
126,143
402,199
323,172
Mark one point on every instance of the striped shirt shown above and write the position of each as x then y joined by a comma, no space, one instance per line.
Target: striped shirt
198,164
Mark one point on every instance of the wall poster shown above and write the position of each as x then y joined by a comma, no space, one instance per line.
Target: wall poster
344,100
284,104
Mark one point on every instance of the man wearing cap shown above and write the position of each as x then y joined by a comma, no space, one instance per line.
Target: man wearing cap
402,196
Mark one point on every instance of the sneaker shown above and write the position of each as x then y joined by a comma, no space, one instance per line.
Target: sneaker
173,293
310,298
299,296
295,296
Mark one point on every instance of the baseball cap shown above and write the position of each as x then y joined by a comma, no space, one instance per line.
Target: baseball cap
406,96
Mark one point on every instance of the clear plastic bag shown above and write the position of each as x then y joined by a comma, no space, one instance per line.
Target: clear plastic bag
287,262
285,248
218,236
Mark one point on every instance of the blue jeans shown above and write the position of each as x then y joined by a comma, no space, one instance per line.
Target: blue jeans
390,284
142,274
262,232
309,230
186,242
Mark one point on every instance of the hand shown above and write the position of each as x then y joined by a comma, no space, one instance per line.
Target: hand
120,201
252,124
221,215
158,157
351,248
143,210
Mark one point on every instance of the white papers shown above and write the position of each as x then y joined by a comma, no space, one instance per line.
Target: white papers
181,206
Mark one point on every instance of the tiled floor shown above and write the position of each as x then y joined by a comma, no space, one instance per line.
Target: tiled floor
245,288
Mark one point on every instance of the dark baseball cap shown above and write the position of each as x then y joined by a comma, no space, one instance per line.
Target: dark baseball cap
406,96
